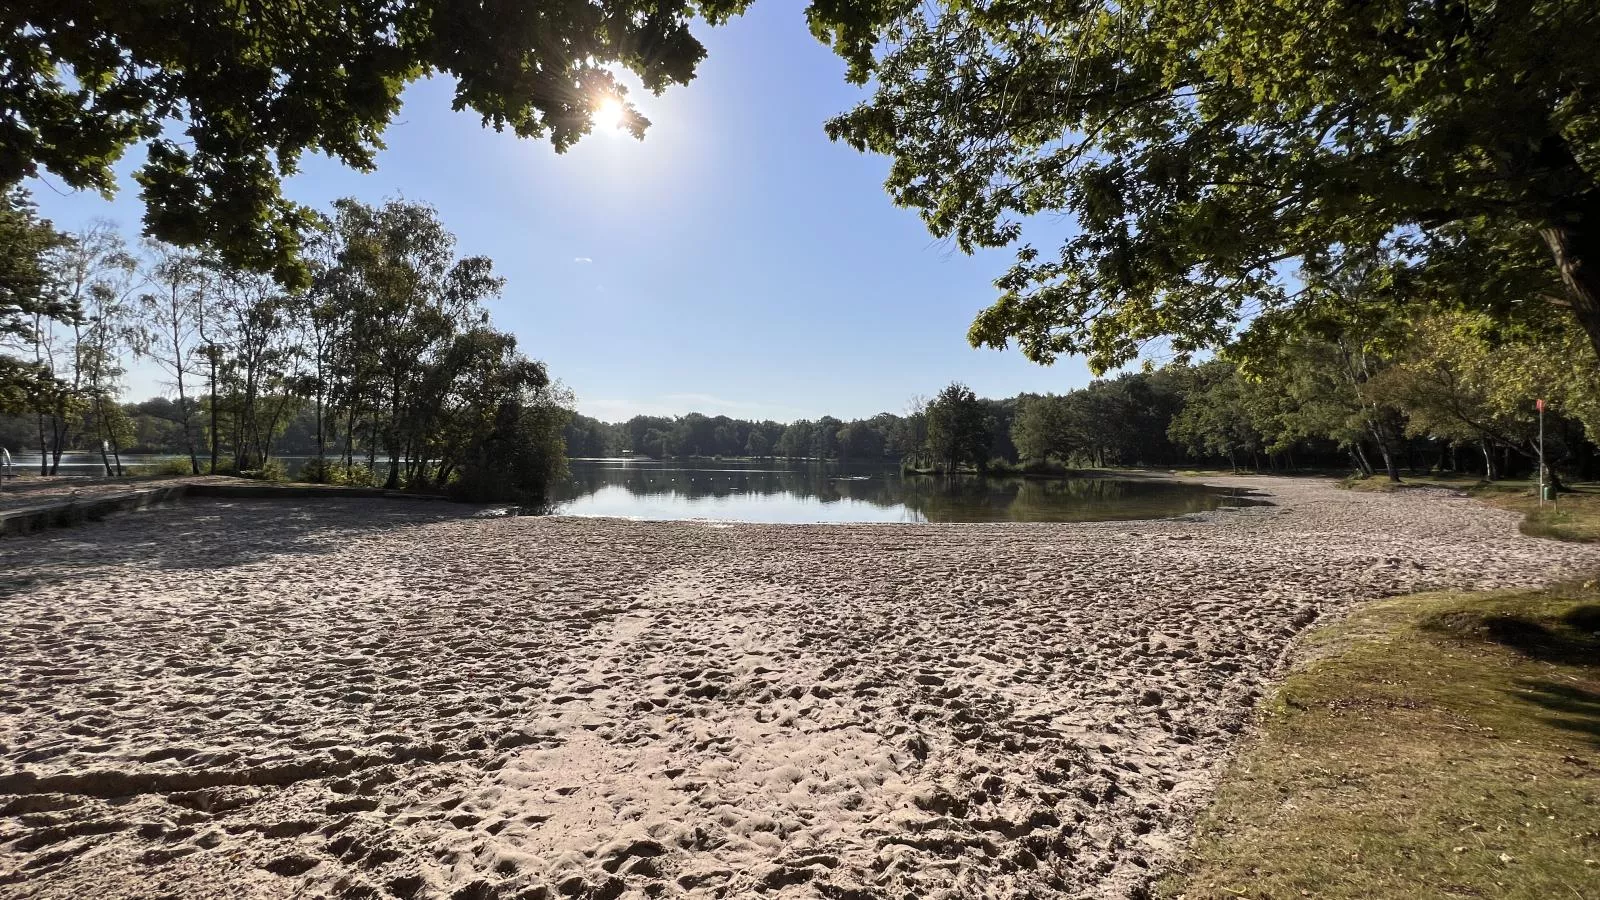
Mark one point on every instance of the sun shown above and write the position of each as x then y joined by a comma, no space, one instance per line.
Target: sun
607,115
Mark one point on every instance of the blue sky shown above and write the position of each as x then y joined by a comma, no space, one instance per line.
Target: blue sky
735,261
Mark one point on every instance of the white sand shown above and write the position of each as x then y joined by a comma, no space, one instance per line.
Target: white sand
376,698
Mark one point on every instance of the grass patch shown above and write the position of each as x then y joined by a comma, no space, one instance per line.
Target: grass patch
1574,516
1437,745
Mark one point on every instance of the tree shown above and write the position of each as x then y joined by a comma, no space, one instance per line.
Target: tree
1216,418
32,302
911,435
859,440
170,317
229,96
797,441
324,320
1202,150
757,445
522,454
644,434
100,278
958,429
1043,429
30,295
400,276
825,438
587,437
1462,379
257,375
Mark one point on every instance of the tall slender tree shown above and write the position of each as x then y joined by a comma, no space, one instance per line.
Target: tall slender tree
171,314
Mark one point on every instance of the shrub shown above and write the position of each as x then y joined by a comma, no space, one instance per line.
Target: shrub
1045,467
168,467
356,475
518,460
998,466
319,471
271,470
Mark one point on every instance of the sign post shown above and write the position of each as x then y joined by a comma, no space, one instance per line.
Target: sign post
1540,404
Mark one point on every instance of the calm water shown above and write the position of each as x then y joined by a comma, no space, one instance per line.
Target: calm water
780,491
775,491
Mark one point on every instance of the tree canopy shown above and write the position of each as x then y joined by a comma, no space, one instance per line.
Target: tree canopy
1203,151
958,432
229,96
29,292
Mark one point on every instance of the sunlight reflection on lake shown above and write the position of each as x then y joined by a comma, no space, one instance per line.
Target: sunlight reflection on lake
782,491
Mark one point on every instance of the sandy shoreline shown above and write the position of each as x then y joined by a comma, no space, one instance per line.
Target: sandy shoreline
379,698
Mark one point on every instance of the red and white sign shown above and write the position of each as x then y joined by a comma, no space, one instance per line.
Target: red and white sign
1540,404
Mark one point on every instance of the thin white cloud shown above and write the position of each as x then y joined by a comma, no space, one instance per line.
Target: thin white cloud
582,259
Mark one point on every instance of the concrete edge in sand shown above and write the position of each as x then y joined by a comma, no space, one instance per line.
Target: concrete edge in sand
57,512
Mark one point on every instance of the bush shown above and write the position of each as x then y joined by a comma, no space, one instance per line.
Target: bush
1002,466
998,466
271,470
319,471
517,461
333,471
1045,467
357,475
168,467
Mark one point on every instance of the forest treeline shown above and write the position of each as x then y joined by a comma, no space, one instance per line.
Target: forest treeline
1440,391
385,359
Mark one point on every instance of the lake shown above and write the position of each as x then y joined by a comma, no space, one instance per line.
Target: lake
801,491
781,491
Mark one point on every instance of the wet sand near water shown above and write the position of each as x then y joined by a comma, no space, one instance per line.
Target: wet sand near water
372,698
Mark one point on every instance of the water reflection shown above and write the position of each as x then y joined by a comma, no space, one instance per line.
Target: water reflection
771,491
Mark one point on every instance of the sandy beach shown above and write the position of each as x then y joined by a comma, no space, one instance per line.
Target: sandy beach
374,698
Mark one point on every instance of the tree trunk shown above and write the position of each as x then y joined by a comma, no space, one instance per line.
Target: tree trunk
44,455
1362,463
59,428
108,437
183,400
1488,461
1575,245
188,427
350,438
393,481
1390,467
211,352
